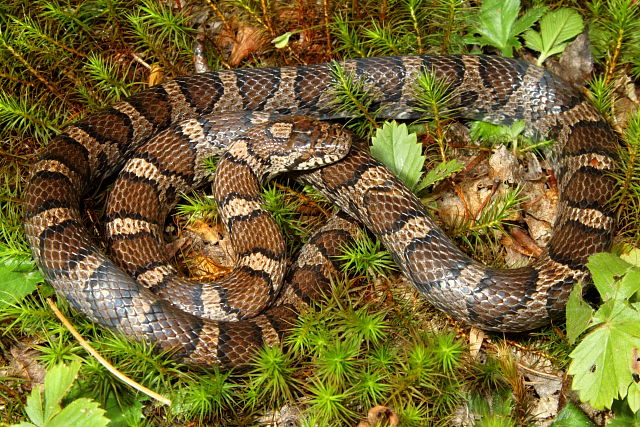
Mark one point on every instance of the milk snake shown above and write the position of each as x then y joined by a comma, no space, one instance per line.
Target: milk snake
494,89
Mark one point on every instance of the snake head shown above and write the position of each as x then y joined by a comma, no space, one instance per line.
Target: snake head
301,143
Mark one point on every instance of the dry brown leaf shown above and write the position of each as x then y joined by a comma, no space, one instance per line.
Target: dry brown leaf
211,255
202,267
246,40
156,75
476,338
380,416
205,231
23,363
504,167
527,243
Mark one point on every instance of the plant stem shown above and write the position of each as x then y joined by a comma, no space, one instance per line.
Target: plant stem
38,75
614,58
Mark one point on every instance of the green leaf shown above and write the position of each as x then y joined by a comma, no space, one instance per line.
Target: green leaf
630,284
497,133
57,382
399,151
496,21
529,18
605,269
633,396
35,408
572,416
533,40
440,172
560,26
80,412
48,413
632,256
579,314
282,40
123,414
602,362
16,282
624,416
498,18
556,29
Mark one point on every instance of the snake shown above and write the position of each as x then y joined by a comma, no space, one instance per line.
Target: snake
252,149
489,88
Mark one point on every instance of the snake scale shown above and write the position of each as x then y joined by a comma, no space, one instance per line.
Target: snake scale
495,89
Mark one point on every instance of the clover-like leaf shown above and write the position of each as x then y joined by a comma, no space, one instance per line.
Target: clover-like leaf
35,406
497,18
632,256
572,416
57,382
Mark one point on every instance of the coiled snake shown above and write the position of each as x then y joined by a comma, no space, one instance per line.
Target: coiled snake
494,89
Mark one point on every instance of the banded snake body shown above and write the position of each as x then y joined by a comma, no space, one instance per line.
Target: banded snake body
495,89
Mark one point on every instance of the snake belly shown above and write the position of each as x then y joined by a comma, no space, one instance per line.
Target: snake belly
495,89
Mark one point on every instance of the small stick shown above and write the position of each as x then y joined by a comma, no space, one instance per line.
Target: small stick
103,361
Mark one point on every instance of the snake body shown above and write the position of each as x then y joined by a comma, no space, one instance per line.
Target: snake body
252,150
499,90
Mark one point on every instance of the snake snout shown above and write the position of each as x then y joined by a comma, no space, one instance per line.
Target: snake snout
336,140
315,143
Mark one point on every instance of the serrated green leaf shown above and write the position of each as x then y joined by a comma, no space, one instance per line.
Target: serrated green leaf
80,412
579,314
556,29
572,416
533,40
498,24
399,151
556,49
35,407
439,172
496,21
601,363
57,382
15,283
18,263
529,18
605,269
560,26
614,311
